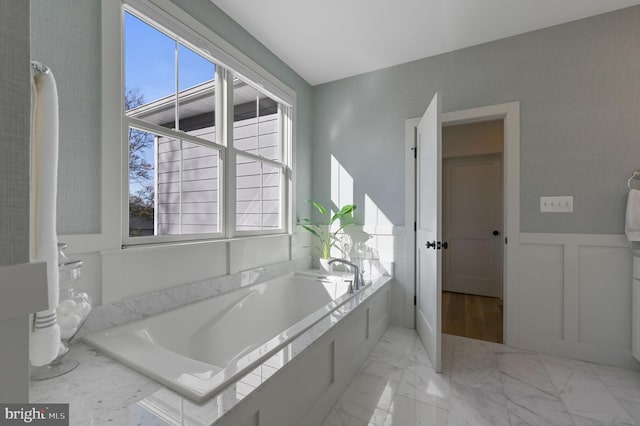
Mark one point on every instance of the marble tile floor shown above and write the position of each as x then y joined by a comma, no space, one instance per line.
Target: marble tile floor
483,383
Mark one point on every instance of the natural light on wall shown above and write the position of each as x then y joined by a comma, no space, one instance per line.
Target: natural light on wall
381,246
372,246
374,218
341,184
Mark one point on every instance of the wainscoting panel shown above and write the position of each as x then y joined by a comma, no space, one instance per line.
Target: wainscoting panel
542,290
605,282
575,297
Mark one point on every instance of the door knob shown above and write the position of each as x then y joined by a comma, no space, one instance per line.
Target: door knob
445,245
431,244
496,232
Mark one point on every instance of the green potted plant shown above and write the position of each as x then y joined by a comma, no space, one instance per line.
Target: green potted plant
327,237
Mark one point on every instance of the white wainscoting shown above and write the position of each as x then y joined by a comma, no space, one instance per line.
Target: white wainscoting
112,275
575,297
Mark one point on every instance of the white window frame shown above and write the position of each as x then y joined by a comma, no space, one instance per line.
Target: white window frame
228,60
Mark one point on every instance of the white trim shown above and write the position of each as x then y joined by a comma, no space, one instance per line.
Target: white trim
288,179
595,240
230,159
186,29
410,219
150,248
170,238
571,334
170,133
112,129
510,113
25,289
176,20
83,243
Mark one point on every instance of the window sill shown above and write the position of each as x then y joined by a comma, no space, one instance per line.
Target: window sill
144,246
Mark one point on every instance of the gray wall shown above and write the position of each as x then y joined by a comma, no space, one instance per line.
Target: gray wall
66,36
14,186
579,90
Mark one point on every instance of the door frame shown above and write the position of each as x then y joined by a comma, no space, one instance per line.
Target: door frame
510,114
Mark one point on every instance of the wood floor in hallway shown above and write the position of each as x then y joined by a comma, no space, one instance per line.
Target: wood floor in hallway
468,315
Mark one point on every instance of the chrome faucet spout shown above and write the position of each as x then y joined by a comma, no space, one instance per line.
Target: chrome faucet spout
357,275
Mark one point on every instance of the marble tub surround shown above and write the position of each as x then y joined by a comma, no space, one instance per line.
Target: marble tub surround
182,348
138,307
483,384
103,391
184,411
99,391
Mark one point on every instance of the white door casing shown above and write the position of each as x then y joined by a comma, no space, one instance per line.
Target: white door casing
429,231
472,225
510,114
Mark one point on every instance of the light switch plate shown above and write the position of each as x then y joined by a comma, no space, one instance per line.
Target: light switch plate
556,204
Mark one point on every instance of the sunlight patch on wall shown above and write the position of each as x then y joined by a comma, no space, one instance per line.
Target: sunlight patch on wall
375,218
341,184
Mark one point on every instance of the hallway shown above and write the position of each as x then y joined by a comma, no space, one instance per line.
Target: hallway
476,317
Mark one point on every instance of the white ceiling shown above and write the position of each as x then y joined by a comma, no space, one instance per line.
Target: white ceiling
333,39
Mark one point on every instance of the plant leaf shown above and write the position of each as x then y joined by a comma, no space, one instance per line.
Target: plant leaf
308,222
313,231
345,210
337,231
319,206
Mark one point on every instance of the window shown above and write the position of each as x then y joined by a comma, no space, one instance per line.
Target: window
208,148
259,171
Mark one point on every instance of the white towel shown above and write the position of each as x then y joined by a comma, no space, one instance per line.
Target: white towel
45,332
632,223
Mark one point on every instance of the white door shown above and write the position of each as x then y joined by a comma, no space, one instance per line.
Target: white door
472,225
428,231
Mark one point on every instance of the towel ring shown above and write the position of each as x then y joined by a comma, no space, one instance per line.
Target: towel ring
634,175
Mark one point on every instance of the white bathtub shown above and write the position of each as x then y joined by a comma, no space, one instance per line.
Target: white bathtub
199,349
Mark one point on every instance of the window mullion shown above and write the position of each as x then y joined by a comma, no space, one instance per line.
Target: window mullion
155,183
176,124
227,134
171,133
261,185
268,161
180,178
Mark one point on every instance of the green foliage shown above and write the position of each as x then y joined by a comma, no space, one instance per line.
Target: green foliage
141,177
322,230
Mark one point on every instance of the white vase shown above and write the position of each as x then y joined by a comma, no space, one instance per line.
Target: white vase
324,265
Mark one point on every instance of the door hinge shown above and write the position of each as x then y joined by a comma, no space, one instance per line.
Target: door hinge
415,226
415,151
506,241
415,300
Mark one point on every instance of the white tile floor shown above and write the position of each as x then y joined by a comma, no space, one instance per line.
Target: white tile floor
483,383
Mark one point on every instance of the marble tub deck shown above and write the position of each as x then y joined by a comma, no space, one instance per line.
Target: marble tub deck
482,384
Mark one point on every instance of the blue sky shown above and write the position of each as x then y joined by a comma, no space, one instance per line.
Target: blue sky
150,62
150,58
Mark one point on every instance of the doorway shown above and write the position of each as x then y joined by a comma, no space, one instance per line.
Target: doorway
472,225
415,309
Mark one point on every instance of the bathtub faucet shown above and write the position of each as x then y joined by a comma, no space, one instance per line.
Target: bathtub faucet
358,280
